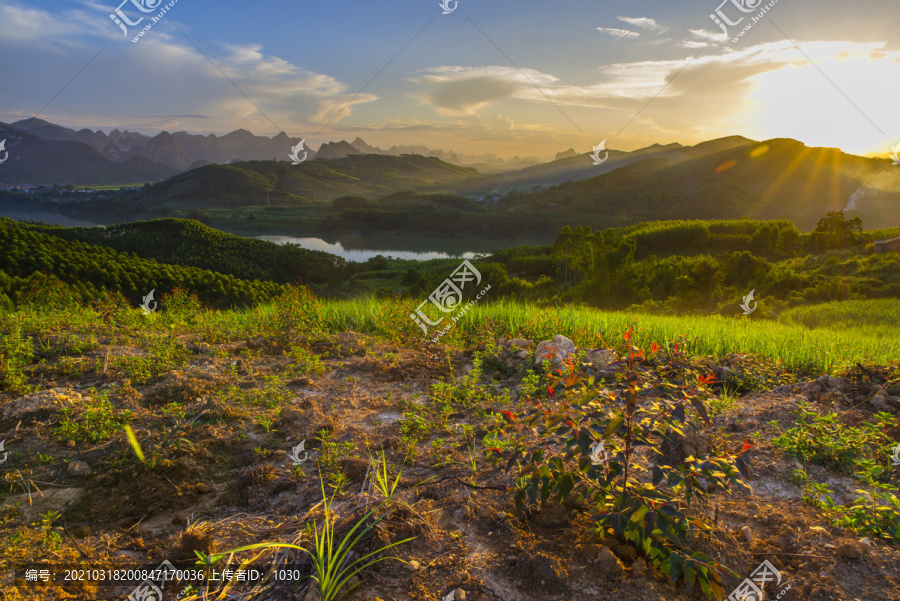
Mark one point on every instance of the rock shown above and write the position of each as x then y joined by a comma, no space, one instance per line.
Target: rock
523,355
599,358
202,488
638,567
850,551
414,565
78,468
456,595
521,343
878,402
556,351
695,444
835,382
747,533
609,565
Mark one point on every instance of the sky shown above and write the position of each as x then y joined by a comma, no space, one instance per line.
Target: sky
526,78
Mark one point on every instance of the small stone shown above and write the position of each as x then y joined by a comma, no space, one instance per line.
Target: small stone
850,551
638,567
414,565
82,532
865,541
834,382
521,343
202,488
747,534
78,468
609,564
458,595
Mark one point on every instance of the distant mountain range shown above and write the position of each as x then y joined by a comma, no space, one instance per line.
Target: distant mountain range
165,153
727,177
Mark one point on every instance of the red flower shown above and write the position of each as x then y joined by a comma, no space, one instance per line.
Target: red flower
550,391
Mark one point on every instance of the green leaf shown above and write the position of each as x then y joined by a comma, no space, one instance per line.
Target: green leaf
565,486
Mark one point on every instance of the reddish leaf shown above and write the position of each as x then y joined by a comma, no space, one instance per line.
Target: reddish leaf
627,335
654,348
747,445
550,391
711,378
509,415
676,347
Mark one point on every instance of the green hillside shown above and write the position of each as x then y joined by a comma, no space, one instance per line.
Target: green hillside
32,263
190,243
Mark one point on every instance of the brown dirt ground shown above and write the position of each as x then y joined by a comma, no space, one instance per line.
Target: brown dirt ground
231,484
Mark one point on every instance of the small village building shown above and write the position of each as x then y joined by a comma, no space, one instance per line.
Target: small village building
889,245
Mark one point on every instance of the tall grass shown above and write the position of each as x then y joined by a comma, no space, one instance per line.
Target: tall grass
879,317
821,337
794,344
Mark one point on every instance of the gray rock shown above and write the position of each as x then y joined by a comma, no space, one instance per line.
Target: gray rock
556,351
835,382
599,358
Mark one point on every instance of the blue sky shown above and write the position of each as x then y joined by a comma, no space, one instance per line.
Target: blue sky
528,78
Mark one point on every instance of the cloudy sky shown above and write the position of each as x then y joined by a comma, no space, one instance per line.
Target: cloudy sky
523,77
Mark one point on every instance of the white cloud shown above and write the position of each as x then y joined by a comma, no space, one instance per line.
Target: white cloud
645,23
618,33
709,36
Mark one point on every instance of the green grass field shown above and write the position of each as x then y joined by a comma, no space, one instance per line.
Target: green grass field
821,338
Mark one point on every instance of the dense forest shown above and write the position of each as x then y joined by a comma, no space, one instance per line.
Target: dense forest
659,266
32,263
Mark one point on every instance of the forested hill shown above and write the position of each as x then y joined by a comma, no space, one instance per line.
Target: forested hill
30,261
366,175
775,179
190,243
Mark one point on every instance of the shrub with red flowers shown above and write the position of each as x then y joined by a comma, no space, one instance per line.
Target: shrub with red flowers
584,441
